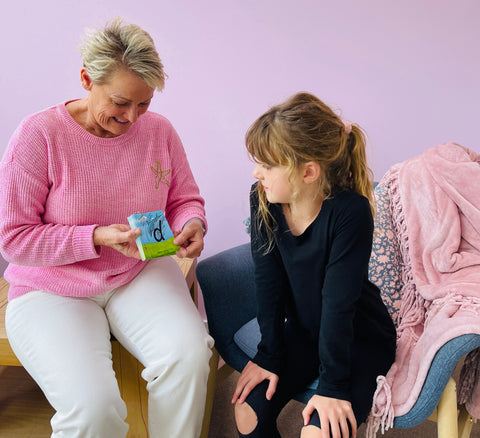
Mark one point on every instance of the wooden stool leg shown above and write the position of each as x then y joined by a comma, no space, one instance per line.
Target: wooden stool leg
210,393
447,412
465,423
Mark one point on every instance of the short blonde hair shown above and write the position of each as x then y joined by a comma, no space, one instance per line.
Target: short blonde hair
120,45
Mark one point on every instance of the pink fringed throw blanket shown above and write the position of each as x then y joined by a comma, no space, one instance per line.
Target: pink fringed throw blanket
435,201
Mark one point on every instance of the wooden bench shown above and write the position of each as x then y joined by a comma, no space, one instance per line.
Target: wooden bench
127,368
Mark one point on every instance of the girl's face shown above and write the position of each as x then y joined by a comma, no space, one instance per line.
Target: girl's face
276,181
115,106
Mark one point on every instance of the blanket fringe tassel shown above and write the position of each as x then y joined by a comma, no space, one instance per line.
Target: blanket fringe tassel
382,415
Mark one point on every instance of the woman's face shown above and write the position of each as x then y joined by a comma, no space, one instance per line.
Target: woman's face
113,107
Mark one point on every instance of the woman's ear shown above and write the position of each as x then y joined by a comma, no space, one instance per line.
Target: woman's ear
311,172
85,79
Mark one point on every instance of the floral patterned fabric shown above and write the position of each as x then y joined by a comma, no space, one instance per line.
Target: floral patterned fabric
385,267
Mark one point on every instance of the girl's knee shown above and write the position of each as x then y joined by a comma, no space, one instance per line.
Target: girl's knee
246,418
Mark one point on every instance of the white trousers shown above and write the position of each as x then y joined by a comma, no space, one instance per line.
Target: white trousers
64,343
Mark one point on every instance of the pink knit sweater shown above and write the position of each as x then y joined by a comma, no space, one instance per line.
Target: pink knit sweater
58,182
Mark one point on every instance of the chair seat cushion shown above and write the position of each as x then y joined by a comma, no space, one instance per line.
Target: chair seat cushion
441,369
248,337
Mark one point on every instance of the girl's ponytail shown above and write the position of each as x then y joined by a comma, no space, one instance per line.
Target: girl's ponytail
361,174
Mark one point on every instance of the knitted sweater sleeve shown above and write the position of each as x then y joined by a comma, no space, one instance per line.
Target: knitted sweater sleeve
24,186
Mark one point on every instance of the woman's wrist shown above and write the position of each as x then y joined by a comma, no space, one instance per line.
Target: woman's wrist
197,219
98,236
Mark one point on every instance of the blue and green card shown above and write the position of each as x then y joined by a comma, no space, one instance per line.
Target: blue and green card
156,239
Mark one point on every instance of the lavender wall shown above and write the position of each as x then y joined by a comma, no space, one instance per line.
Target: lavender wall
406,71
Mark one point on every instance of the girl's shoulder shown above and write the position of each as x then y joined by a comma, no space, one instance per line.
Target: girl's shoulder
349,204
348,199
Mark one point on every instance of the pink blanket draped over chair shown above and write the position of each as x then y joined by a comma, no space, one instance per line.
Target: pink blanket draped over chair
435,201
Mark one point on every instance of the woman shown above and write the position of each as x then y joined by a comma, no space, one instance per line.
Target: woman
70,177
311,239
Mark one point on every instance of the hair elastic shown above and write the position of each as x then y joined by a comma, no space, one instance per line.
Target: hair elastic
348,127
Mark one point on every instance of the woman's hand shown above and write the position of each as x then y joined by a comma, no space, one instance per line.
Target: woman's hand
251,376
119,237
190,239
333,414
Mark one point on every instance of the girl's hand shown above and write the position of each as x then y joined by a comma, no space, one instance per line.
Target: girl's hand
251,376
190,239
119,237
333,414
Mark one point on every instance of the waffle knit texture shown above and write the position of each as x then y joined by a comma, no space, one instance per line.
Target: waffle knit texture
58,183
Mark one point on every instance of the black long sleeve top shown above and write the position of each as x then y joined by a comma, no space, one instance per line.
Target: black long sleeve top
319,281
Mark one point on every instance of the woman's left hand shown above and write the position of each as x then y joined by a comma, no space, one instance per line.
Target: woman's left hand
190,239
333,414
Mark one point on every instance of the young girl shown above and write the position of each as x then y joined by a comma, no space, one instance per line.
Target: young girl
319,315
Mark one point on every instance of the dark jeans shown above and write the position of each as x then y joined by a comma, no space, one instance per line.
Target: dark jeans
227,283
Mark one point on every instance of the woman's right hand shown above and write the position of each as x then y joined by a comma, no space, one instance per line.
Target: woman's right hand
119,237
251,376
